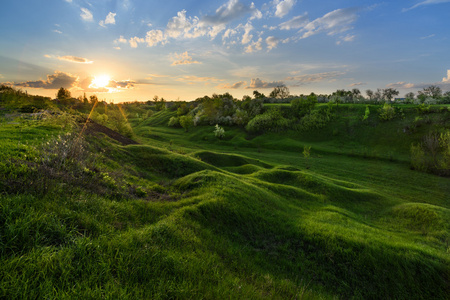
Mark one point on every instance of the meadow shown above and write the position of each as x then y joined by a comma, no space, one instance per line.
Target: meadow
336,211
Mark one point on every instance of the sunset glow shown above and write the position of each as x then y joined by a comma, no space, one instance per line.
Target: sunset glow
100,81
183,51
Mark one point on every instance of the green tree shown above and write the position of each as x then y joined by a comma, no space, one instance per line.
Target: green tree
186,122
63,94
280,92
303,106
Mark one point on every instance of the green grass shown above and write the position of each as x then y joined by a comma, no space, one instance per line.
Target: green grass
187,215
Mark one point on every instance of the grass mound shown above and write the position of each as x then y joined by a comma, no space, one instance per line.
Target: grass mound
228,160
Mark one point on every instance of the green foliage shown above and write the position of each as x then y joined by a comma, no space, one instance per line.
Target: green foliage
303,106
63,94
219,132
174,122
387,112
366,113
432,154
271,120
423,108
186,122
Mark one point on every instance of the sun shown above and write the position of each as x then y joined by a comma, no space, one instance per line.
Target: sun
100,81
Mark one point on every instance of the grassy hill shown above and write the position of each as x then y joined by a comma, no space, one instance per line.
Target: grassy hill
188,215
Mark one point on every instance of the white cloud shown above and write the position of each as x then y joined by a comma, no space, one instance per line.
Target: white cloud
427,2
178,25
57,31
117,48
357,84
295,22
272,42
257,83
183,59
308,78
215,30
348,38
110,19
283,7
75,59
247,37
231,86
401,85
121,40
447,79
337,21
154,37
86,15
228,12
134,41
255,46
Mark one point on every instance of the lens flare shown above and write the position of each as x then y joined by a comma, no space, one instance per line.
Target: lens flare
100,81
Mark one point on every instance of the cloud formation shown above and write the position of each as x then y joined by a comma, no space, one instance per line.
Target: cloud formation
283,7
272,42
337,21
309,78
228,12
447,79
75,59
295,23
86,15
255,46
110,19
427,2
183,59
257,83
231,86
134,41
54,81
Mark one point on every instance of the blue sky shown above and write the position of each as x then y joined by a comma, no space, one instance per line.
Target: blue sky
128,50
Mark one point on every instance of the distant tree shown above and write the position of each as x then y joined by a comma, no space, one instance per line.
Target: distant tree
370,94
356,93
258,95
280,92
85,99
432,91
63,94
93,99
389,93
410,97
303,106
378,95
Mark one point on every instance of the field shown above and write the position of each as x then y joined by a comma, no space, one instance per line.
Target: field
248,216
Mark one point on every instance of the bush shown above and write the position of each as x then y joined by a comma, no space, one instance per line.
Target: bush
303,106
272,120
387,112
186,122
433,154
219,132
174,121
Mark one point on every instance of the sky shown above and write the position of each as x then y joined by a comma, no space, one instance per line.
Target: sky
128,50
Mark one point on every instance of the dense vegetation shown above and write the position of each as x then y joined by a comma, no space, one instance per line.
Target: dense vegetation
280,197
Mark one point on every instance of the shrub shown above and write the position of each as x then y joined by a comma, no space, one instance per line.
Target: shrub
174,121
387,112
186,122
303,106
366,113
219,132
433,154
272,120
